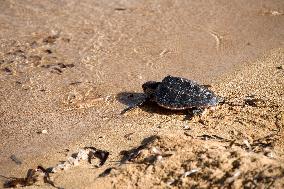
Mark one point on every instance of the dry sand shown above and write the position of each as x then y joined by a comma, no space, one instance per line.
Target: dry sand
69,68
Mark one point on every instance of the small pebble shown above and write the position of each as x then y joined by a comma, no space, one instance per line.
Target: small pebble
187,173
83,154
234,177
44,131
155,150
246,142
159,158
281,67
186,127
170,181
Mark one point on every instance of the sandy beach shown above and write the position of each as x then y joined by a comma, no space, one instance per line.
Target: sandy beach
68,68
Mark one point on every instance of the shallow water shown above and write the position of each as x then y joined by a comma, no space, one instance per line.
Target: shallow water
134,41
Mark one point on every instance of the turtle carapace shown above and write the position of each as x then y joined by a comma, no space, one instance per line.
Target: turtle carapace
179,94
176,93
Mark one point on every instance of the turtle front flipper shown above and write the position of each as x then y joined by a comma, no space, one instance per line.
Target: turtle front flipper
140,103
196,114
198,111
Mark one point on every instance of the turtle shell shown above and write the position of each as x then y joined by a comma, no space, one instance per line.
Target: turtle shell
179,93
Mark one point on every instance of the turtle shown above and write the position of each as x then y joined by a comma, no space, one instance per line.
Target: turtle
177,93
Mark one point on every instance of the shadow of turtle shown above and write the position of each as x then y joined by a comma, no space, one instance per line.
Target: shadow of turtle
134,99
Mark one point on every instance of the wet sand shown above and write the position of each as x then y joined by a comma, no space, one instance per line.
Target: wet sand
65,67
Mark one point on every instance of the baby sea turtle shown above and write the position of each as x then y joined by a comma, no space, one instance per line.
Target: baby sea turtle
176,93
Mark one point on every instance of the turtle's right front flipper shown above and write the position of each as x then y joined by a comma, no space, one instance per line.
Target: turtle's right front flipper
129,108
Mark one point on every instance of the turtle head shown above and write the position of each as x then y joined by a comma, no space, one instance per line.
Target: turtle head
150,88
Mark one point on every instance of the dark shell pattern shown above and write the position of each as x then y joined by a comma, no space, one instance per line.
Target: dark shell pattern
180,93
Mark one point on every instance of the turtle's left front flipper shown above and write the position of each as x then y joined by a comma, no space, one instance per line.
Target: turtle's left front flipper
195,113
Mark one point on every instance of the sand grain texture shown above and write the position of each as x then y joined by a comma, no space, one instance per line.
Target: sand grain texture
68,68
